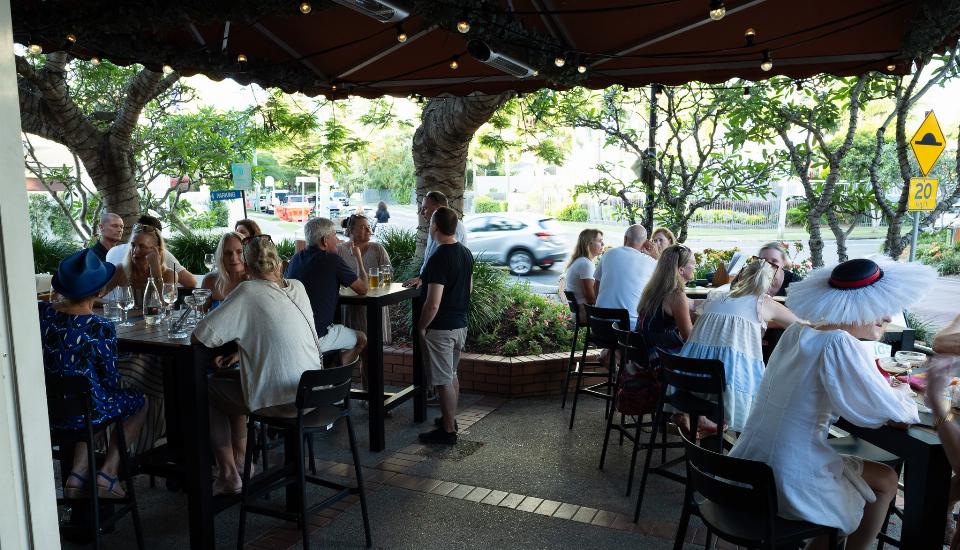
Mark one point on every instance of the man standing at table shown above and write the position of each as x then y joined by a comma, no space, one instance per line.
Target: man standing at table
322,271
431,202
111,231
447,281
624,271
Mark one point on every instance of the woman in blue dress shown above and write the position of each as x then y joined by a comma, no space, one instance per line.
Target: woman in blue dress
78,343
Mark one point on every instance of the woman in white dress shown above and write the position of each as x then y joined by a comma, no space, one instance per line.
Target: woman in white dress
821,372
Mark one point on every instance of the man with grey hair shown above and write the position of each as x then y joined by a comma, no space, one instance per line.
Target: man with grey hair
111,231
624,271
322,271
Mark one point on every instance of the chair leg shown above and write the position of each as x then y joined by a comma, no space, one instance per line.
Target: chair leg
663,442
576,396
633,455
308,441
832,540
302,487
360,489
570,365
682,526
709,538
245,484
606,436
94,498
658,418
611,372
126,473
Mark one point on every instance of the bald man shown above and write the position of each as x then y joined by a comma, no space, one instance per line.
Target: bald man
111,230
624,271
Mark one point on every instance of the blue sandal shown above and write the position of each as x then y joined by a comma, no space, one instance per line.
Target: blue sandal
76,492
109,492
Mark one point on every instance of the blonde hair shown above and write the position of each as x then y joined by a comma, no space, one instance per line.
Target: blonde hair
666,232
784,255
261,257
666,279
754,279
582,249
143,229
223,279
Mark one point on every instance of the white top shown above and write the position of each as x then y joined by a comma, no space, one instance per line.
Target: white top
118,254
812,378
460,233
274,329
581,268
627,272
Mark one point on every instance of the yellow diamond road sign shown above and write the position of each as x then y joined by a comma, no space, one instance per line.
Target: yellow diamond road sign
928,143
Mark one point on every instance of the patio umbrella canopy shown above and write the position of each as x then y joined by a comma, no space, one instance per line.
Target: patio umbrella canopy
372,48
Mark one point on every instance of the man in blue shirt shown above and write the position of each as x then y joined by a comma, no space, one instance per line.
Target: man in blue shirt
322,271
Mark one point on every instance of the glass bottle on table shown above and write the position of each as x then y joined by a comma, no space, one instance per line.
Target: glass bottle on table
152,304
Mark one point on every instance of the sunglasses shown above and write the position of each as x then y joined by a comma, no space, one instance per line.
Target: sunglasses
758,259
142,227
252,237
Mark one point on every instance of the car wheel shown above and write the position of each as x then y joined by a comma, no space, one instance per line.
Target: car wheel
520,262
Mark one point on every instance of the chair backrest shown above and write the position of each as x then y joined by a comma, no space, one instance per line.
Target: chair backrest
572,302
68,397
601,321
732,483
324,386
697,384
633,346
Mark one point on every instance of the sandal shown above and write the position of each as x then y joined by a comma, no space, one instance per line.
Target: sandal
223,490
111,491
76,492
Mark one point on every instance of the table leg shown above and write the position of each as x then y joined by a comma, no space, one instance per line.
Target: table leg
926,486
375,376
419,395
195,421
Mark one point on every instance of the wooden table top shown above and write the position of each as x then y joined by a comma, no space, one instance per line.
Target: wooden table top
387,295
156,335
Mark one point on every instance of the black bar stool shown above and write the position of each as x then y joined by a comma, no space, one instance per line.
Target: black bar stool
600,321
573,368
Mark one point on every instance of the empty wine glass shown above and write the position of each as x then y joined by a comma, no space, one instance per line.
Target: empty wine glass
191,303
126,303
910,359
201,295
169,296
208,261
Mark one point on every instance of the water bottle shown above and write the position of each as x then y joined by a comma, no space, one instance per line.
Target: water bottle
151,303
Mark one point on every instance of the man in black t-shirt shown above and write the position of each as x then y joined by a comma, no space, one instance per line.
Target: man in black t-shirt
447,282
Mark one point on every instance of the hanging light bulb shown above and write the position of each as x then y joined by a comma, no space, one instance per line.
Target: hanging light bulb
305,7
891,67
746,91
167,69
463,25
241,58
559,61
750,35
454,62
401,36
767,62
717,10
656,90
71,38
581,69
95,61
333,87
35,49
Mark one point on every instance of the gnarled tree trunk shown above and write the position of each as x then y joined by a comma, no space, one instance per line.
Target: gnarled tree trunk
440,148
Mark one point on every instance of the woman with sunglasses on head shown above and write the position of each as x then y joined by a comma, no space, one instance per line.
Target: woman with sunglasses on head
776,254
229,269
731,328
374,255
663,316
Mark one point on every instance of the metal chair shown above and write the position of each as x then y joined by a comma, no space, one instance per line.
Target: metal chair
738,503
600,321
690,386
69,397
574,368
323,399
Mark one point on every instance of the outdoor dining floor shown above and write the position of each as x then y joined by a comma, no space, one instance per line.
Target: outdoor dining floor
518,478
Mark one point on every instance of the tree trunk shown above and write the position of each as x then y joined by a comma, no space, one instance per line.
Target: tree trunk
110,169
440,147
839,234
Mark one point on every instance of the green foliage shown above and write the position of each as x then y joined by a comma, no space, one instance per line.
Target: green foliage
924,330
484,205
286,249
728,216
796,216
387,164
217,216
401,246
934,249
190,249
49,252
709,258
573,213
44,213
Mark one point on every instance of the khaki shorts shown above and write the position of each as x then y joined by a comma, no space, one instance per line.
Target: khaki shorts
338,337
226,395
442,353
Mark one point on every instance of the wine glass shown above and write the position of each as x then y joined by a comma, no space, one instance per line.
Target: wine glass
910,359
126,303
200,295
191,303
169,296
208,261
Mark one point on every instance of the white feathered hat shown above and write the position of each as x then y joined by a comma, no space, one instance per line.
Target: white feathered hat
858,291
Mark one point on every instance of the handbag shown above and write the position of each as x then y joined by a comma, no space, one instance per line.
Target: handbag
638,392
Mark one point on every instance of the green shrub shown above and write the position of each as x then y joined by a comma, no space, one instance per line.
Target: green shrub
720,216
573,213
401,246
190,249
286,249
484,205
938,252
48,253
924,330
796,216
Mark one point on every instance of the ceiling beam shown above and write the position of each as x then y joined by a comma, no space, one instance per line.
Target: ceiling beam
676,32
226,35
290,50
387,52
554,25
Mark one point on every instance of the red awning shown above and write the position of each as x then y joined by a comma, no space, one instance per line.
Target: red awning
335,51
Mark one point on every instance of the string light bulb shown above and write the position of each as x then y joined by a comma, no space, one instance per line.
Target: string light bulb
767,62
559,61
581,69
891,67
35,49
746,91
94,61
463,25
241,58
71,38
305,7
750,35
401,36
717,10
455,62
167,69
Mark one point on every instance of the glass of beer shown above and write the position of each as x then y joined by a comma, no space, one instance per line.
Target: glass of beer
374,274
386,275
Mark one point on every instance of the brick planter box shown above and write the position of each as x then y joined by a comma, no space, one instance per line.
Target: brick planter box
523,376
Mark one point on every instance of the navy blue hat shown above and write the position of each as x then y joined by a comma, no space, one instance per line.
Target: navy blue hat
82,274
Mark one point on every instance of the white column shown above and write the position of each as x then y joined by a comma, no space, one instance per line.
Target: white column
29,516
